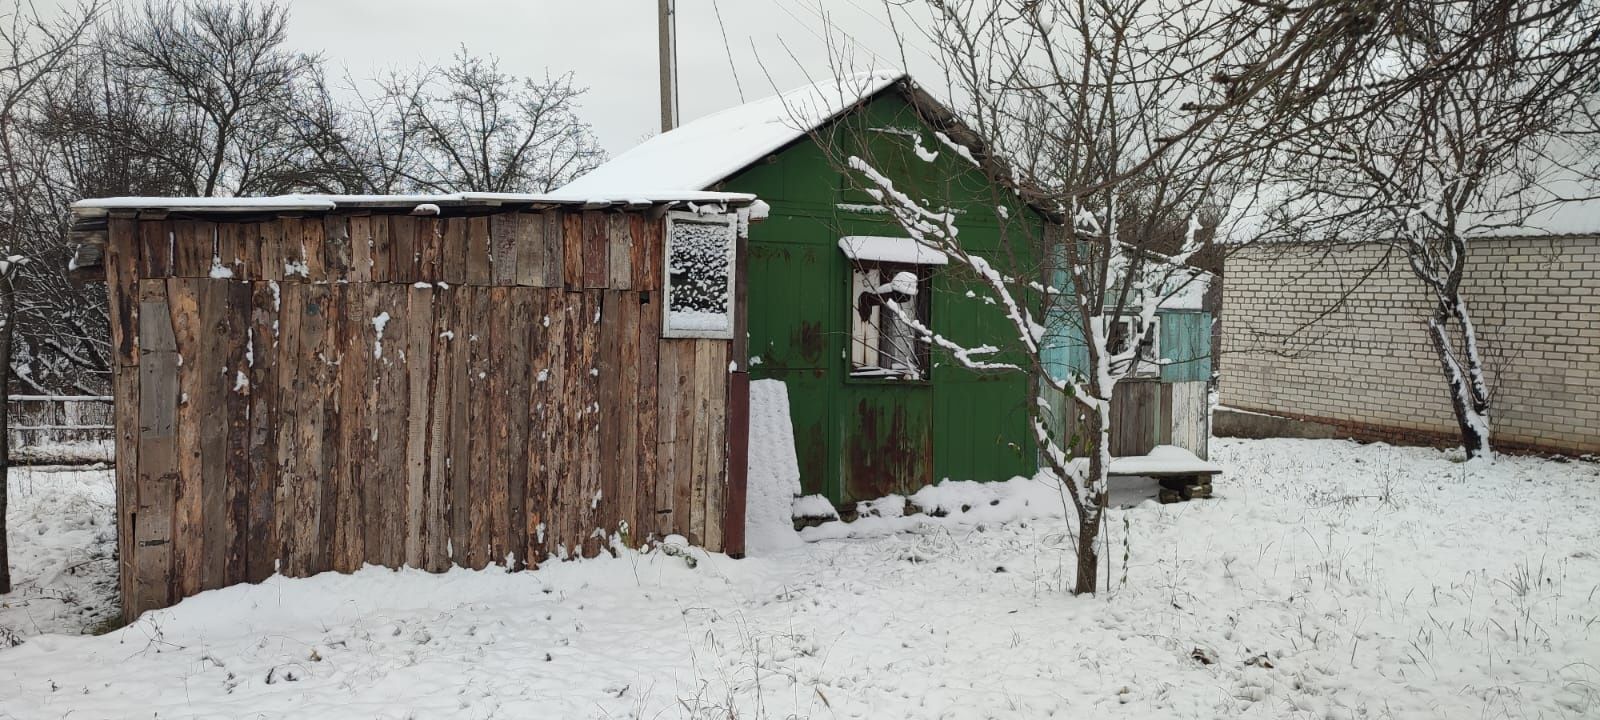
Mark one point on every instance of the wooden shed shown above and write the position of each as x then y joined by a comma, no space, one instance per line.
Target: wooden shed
312,383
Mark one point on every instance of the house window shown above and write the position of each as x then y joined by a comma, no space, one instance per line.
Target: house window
888,305
1145,362
890,280
699,277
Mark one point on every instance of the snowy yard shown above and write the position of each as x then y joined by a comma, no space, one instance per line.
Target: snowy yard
1326,580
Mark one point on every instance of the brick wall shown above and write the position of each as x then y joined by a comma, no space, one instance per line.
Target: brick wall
1290,347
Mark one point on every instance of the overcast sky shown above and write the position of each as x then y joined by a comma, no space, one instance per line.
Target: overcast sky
609,44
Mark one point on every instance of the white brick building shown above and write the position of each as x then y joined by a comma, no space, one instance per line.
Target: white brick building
1291,347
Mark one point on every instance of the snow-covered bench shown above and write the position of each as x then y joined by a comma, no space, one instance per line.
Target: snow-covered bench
1183,476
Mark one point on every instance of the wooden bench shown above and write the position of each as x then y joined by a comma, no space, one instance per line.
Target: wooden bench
1183,476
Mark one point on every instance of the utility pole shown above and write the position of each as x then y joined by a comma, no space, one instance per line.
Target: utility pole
667,43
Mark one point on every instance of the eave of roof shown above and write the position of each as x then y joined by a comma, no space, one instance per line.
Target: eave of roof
99,207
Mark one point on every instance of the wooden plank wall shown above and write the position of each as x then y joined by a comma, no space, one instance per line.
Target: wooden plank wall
305,394
1147,412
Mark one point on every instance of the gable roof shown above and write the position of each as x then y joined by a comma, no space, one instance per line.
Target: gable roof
704,152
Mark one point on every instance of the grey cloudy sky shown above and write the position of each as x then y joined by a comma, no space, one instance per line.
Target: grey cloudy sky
609,44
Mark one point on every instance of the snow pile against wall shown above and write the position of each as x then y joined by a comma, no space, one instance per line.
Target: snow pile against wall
774,478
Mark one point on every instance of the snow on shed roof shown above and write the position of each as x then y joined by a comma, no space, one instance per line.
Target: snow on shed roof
322,203
706,151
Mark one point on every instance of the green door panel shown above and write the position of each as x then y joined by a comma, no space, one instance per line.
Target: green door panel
789,308
887,440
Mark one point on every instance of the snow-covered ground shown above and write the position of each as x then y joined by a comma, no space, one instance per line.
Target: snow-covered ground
63,540
1326,580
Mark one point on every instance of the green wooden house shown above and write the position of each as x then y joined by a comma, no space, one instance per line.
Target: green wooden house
874,411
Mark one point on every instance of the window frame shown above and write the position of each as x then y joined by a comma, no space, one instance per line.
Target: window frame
673,218
1143,367
924,314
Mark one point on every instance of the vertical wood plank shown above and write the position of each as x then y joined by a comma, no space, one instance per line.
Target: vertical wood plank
530,250
440,428
610,419
516,369
386,543
535,499
686,406
269,250
503,230
382,249
453,266
158,452
571,504
646,472
588,429
337,253
292,250
498,430
429,244
122,289
554,248
715,420
155,248
289,301
480,438
230,250
312,240
214,378
626,383
308,475
193,247
619,248
264,470
403,251
479,268
643,254
419,321
355,446
596,257
336,315
572,271
188,521
361,248
123,295
555,471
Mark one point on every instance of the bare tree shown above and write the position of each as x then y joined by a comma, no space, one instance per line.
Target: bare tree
1485,149
1136,129
471,127
33,48
218,72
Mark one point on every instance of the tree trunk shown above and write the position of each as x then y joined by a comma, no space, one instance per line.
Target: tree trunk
1469,394
1091,513
7,318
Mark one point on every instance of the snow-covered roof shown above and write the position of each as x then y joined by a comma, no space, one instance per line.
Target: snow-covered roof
891,250
706,151
323,203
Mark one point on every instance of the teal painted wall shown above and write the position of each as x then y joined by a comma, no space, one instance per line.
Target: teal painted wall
1185,340
857,438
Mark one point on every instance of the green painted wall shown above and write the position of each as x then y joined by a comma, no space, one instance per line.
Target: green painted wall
859,439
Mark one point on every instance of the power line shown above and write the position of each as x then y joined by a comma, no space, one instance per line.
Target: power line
728,50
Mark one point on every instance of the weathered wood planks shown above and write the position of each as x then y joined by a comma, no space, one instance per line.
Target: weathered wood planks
315,393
